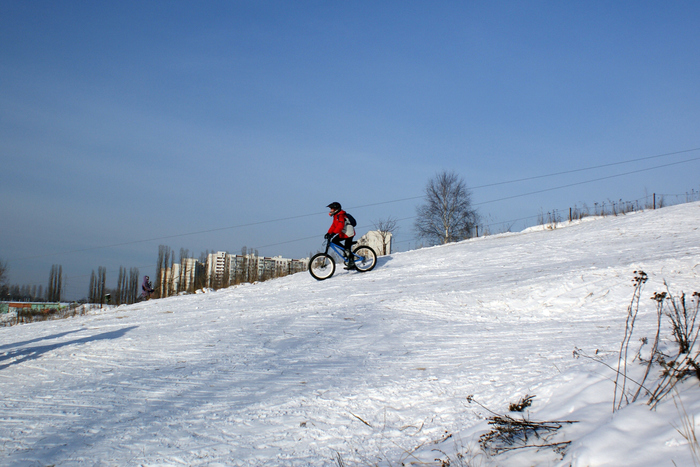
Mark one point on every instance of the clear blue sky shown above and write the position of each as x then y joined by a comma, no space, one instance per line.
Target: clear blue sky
122,123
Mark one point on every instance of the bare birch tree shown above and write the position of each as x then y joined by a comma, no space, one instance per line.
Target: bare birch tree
447,215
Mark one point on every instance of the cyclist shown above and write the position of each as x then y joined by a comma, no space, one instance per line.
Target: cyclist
340,230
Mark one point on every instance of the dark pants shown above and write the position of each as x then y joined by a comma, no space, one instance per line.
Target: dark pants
338,241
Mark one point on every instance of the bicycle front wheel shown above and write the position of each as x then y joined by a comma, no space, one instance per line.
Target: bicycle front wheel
321,266
365,258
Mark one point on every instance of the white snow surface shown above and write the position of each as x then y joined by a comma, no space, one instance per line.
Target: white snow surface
366,369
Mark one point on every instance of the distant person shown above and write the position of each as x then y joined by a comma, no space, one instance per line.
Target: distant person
146,287
341,229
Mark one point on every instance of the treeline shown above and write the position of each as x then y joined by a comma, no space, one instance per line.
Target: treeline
126,292
32,293
22,293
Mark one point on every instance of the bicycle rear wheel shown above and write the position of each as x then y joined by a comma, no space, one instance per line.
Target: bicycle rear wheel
321,266
365,258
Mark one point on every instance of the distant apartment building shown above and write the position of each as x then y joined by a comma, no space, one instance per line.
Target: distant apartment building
216,268
224,269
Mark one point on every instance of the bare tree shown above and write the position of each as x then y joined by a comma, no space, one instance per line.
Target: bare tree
121,292
3,272
100,285
101,279
226,273
386,228
447,215
133,291
93,287
126,286
184,270
4,286
170,285
161,288
53,293
97,285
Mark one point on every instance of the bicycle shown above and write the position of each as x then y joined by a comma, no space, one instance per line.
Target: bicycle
322,265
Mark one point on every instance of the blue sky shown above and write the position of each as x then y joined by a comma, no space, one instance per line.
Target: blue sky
124,123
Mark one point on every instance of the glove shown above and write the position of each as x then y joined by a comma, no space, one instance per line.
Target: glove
328,236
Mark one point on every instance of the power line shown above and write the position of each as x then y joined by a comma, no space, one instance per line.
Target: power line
587,168
529,193
250,224
586,181
564,186
134,242
74,286
555,174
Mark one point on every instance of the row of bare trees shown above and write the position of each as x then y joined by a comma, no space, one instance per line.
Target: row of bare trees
22,293
127,286
31,293
127,290
15,292
53,293
97,291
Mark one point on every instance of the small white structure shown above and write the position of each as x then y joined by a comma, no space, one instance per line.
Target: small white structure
380,242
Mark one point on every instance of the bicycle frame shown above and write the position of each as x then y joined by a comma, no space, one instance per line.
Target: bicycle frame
322,265
340,250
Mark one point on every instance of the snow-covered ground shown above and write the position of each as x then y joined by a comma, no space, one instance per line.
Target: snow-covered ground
364,369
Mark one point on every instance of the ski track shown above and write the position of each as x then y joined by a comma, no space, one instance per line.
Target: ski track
291,371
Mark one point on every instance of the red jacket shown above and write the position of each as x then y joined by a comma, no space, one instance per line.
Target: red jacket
338,224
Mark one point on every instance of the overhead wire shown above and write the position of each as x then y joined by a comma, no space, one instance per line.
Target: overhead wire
301,216
536,177
569,185
401,200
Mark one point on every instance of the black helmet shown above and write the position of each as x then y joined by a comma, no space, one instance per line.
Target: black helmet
335,206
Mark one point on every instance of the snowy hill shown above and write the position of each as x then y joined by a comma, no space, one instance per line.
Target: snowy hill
364,369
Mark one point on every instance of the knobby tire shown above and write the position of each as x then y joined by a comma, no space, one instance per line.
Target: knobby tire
365,258
321,266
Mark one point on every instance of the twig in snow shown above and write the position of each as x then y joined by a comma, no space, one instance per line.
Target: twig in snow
509,433
360,419
580,353
639,280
